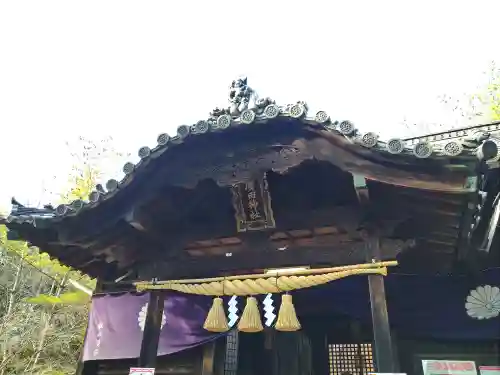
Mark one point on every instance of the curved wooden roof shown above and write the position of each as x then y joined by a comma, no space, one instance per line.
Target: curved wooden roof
232,147
278,137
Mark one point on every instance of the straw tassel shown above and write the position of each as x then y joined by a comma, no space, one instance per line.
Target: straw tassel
216,319
250,321
287,317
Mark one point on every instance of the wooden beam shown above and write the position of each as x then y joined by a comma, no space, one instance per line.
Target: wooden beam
152,328
415,207
284,241
426,197
384,357
346,217
342,254
361,188
144,233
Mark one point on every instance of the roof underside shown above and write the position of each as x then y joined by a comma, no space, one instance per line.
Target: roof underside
254,136
314,206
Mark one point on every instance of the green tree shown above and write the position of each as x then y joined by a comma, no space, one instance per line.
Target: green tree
27,331
480,106
43,311
490,94
92,160
483,104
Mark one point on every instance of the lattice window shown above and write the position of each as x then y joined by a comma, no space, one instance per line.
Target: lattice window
231,358
353,359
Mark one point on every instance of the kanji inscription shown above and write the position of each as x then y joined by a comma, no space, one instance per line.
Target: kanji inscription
252,203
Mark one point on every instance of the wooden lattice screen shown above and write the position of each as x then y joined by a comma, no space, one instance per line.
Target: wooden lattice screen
355,359
231,360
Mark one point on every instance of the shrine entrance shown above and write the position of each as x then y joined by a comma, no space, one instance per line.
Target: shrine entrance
212,211
327,345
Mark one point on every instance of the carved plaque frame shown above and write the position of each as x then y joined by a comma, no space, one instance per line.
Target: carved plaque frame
252,204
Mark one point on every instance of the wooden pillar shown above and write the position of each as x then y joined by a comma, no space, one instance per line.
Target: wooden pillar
152,328
384,357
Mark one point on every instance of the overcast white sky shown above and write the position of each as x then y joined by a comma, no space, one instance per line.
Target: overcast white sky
135,69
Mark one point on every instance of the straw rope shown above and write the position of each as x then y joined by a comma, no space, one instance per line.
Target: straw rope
248,285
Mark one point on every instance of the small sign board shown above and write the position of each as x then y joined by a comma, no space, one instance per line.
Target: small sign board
438,367
141,371
489,370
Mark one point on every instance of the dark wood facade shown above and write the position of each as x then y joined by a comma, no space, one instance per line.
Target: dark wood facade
260,186
342,346
440,205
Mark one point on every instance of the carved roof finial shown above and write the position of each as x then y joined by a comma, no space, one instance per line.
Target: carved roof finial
241,80
15,203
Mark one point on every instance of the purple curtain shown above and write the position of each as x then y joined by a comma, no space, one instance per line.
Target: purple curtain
419,306
116,325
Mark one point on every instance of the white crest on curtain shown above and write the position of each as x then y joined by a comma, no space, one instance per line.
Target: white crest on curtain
141,318
483,302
